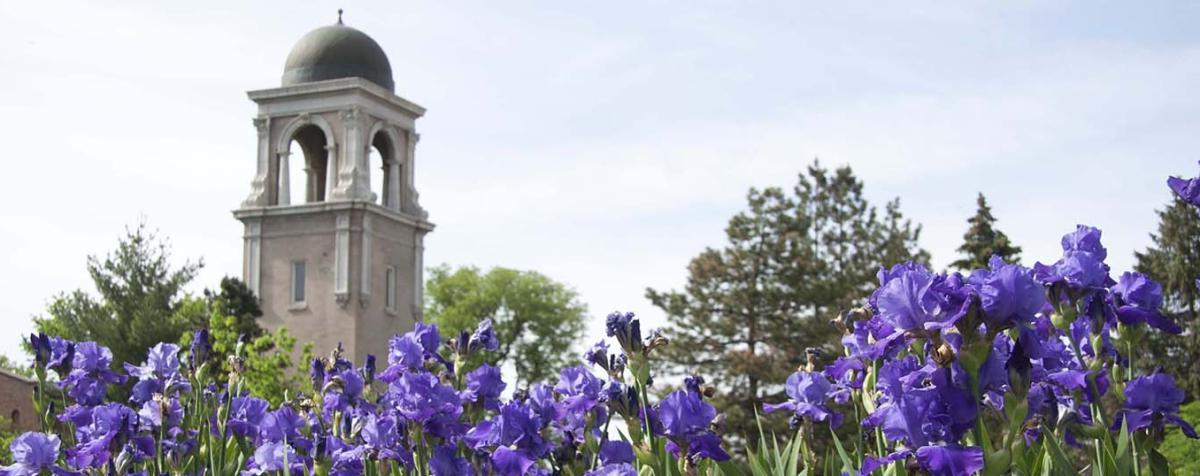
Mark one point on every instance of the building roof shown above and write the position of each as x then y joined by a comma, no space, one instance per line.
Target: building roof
16,376
337,51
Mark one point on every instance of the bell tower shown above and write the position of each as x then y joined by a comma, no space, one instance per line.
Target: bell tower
334,231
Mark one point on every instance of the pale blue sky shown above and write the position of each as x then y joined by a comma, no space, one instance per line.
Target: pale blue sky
602,143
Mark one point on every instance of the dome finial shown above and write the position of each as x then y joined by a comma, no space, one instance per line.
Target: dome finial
339,16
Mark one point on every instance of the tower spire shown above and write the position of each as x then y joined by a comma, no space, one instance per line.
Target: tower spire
339,16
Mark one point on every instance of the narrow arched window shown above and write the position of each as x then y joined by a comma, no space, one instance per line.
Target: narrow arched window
303,168
381,156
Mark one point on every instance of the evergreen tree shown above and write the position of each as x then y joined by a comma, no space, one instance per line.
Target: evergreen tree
140,300
792,262
1174,261
982,240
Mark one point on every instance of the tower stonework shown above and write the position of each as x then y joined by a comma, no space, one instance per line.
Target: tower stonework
334,232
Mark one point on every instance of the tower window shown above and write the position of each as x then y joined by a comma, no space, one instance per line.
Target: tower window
390,290
298,275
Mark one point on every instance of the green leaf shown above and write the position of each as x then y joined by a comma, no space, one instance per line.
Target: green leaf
847,463
1124,456
1060,464
1158,464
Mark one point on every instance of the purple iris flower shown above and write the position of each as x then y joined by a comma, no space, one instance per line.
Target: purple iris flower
1138,299
484,386
1081,267
427,335
622,399
343,390
382,435
847,374
283,425
420,396
621,469
31,454
581,390
270,456
1008,294
934,416
616,452
510,462
994,376
158,412
245,414
808,394
159,374
105,430
444,462
914,299
90,376
1188,190
950,460
1151,401
685,419
517,426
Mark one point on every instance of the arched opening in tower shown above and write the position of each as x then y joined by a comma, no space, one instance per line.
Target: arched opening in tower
381,158
308,161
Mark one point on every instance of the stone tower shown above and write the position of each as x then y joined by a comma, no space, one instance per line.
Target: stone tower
334,233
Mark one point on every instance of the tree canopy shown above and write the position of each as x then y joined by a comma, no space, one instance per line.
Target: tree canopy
792,261
1173,259
536,319
982,240
138,302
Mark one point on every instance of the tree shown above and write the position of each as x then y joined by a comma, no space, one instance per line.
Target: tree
264,362
140,293
1173,259
238,301
536,319
751,309
982,240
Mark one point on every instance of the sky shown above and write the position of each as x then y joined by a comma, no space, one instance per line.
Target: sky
603,144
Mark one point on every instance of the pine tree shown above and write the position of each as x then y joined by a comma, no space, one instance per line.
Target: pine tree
1174,261
792,261
982,240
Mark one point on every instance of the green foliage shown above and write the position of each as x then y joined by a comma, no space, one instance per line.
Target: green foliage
7,433
792,261
238,301
982,240
1182,452
139,299
536,319
12,366
265,363
1173,259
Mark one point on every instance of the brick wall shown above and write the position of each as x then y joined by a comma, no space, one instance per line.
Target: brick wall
16,401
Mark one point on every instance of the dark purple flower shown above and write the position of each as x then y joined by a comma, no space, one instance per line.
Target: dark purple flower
101,432
343,390
427,335
1138,299
627,330
914,299
922,415
283,424
484,338
368,370
161,411
484,386
201,348
31,454
382,435
405,351
1008,294
517,426
1151,401
316,373
1188,190
444,462
950,460
684,418
808,393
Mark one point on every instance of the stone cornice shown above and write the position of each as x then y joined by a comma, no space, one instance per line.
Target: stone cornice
335,86
333,206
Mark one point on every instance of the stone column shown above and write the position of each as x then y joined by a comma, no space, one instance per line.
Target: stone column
258,187
411,203
252,266
331,174
393,183
353,176
285,185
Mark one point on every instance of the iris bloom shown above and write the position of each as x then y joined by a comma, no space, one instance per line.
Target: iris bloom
1152,401
31,454
1188,190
